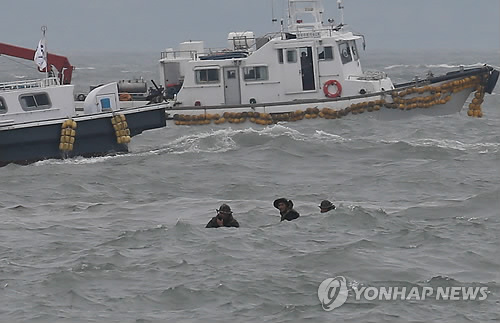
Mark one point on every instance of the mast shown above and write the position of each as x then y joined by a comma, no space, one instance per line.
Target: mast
40,55
44,28
305,15
341,8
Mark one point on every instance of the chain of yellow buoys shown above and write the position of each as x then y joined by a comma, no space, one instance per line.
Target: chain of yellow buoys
475,105
68,134
267,119
410,98
230,117
122,131
437,95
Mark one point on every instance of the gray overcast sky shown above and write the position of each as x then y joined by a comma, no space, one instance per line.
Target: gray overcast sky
152,25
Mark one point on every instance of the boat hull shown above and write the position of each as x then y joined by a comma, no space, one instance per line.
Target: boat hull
434,96
453,106
94,136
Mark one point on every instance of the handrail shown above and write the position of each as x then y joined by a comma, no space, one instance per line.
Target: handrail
178,54
39,83
193,54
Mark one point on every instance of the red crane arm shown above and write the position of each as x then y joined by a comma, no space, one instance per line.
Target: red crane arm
61,63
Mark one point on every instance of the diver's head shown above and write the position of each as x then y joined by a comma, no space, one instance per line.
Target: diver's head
224,211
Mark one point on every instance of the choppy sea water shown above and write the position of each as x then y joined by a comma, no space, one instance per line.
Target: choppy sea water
122,238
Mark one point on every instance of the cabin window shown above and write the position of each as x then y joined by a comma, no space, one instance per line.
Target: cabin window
354,50
207,76
291,56
280,56
3,106
345,52
256,73
231,74
35,101
325,53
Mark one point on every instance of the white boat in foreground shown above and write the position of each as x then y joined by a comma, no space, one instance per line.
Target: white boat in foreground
308,69
39,119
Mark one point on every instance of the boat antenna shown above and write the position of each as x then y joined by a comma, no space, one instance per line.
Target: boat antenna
272,12
341,8
289,15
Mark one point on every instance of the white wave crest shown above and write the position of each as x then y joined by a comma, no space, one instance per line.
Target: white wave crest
326,136
390,67
217,141
79,160
453,66
483,147
222,140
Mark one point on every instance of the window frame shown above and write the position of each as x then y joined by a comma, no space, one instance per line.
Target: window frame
281,57
3,106
354,50
345,58
231,74
295,56
36,106
199,70
324,50
258,75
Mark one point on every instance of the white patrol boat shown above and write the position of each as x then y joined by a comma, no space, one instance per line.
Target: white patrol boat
308,69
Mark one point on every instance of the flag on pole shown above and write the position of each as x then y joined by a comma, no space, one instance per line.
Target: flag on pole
40,55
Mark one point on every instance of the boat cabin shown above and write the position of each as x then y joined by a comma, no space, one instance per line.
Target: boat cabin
35,100
23,102
308,60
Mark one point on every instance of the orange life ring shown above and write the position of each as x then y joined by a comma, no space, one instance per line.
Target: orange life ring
330,94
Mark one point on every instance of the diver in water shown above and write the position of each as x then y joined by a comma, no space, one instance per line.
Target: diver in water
286,209
224,218
326,206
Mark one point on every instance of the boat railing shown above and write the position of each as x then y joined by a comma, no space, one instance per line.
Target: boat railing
195,55
218,50
273,34
176,54
40,83
307,32
299,33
